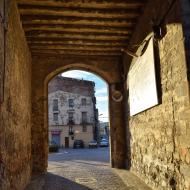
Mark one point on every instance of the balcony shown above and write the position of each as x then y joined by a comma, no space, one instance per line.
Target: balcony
85,122
71,122
57,127
71,133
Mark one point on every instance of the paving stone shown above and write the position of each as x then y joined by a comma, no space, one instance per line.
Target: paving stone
83,169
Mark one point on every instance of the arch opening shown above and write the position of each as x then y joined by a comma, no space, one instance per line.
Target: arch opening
40,101
81,67
78,111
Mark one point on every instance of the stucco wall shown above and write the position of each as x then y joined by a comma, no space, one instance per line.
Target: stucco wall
72,85
78,134
63,89
158,139
15,111
64,108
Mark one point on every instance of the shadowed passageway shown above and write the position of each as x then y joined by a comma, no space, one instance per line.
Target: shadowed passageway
140,48
82,169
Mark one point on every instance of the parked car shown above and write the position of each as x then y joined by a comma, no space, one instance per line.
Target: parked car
53,147
78,144
104,143
93,144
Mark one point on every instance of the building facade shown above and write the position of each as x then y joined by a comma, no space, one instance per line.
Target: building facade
72,111
103,130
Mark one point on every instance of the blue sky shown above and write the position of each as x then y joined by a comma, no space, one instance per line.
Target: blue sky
100,87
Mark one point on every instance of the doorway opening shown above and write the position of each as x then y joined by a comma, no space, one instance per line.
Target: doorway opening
78,118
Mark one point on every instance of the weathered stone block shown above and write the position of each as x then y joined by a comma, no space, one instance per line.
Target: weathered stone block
15,111
159,135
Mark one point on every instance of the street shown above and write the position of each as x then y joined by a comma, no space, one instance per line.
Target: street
79,169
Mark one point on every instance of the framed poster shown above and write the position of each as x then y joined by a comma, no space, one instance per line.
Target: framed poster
142,82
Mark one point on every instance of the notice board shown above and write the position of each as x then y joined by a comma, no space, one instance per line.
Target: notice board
142,82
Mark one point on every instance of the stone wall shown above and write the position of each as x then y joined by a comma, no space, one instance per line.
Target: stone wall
15,111
159,138
185,8
43,70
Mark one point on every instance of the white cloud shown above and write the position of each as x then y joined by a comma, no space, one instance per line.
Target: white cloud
103,116
102,98
103,119
76,74
103,113
101,91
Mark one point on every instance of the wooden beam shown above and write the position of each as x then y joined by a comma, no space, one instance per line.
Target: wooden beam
72,47
106,4
82,14
75,33
77,36
96,28
86,30
77,57
73,28
78,12
77,52
67,42
57,20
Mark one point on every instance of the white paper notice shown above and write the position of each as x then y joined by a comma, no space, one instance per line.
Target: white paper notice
142,82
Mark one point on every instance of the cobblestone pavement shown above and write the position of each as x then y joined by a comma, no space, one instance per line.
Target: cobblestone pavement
81,169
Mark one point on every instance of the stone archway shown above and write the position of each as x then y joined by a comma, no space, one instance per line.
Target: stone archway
40,107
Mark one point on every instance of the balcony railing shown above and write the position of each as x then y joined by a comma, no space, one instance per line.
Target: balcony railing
71,133
84,122
71,122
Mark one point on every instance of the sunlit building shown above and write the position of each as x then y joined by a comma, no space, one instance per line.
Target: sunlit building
72,111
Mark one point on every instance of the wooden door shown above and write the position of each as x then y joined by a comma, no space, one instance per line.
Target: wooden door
56,139
66,142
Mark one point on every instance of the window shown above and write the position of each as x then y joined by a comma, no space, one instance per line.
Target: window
55,116
71,130
84,117
55,105
71,120
83,101
71,103
84,128
70,115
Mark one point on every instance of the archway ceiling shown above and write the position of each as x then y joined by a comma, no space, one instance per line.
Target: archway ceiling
79,27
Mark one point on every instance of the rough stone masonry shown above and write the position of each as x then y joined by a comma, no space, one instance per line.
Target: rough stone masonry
15,111
159,145
157,140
